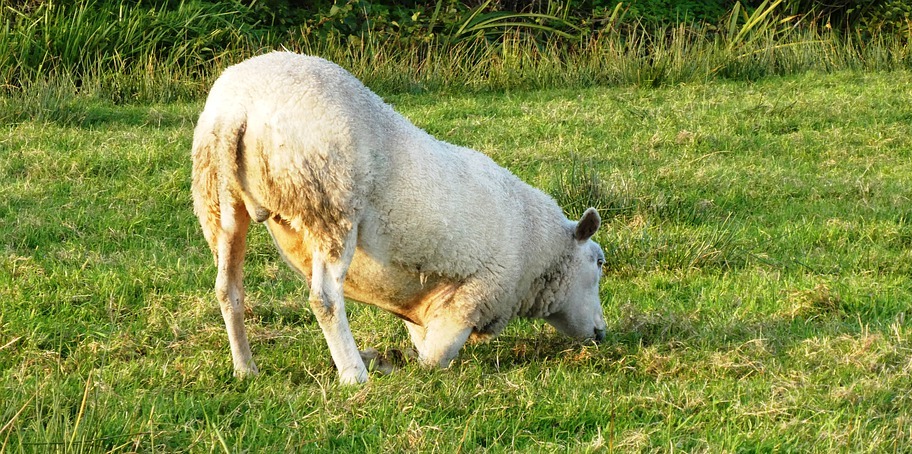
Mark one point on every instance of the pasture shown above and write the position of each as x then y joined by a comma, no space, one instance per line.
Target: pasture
757,290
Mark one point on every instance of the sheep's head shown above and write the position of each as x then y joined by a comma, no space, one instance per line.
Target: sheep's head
579,313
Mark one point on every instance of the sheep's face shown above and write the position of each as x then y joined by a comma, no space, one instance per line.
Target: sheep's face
579,315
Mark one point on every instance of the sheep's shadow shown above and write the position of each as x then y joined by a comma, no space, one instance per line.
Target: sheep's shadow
631,334
95,115
636,332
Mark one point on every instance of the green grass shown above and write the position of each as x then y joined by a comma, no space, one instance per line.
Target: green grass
757,290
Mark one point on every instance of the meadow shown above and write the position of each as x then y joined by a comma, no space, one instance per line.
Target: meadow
758,281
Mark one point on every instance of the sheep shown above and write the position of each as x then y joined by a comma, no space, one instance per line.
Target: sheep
366,206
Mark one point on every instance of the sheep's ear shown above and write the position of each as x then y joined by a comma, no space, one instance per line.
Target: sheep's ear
587,225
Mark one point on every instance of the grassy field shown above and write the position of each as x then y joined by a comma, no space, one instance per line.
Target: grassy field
757,290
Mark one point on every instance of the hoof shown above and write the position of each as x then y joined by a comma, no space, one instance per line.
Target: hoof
353,377
245,373
376,362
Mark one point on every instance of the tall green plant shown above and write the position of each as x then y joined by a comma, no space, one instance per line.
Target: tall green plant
89,36
491,24
760,23
156,53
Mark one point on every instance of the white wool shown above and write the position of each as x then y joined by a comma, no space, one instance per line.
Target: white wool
441,229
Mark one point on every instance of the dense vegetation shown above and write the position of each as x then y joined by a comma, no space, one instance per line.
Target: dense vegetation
354,16
170,50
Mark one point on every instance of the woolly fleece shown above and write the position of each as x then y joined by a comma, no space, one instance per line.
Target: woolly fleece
441,231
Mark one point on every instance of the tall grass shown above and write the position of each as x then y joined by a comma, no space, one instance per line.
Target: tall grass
85,37
128,51
153,54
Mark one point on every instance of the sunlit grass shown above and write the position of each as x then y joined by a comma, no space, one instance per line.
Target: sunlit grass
757,287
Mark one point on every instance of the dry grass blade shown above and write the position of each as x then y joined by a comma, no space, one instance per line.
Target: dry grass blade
82,407
9,423
10,343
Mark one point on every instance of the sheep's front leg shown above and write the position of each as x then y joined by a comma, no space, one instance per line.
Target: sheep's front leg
328,304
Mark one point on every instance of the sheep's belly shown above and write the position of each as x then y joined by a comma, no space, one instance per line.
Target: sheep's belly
404,292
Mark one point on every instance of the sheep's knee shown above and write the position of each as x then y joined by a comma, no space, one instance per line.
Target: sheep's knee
417,333
442,343
323,308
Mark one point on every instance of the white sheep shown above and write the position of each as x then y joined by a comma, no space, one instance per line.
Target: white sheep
364,204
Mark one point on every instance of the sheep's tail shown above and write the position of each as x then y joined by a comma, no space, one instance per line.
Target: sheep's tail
216,147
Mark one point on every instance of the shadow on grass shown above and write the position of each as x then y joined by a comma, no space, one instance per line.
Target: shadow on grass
639,337
104,115
78,113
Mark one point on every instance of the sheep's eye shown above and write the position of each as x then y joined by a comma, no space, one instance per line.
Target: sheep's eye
600,263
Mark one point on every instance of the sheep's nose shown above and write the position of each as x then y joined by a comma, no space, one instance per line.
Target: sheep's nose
599,334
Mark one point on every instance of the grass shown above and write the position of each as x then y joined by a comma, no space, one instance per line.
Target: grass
757,289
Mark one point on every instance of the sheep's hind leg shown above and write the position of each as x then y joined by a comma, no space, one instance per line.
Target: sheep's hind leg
328,305
231,241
